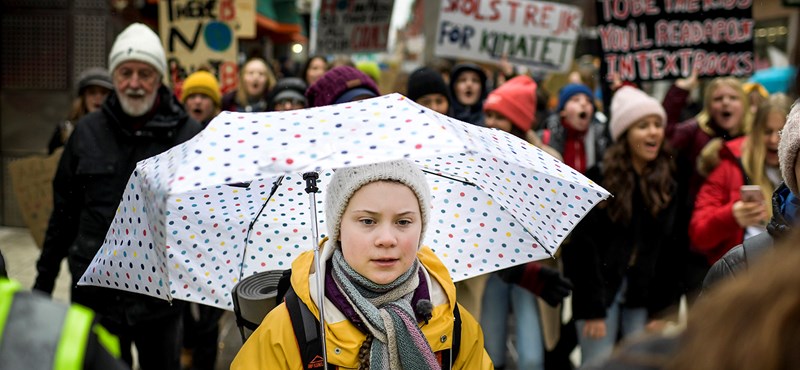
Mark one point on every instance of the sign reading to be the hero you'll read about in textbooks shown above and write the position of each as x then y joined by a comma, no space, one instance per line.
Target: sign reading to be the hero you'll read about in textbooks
537,34
645,40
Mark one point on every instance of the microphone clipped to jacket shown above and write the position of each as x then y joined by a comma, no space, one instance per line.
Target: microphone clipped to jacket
424,309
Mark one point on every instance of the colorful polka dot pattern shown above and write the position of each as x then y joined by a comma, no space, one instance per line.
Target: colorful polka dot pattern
180,232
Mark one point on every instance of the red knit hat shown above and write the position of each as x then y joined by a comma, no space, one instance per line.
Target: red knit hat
516,100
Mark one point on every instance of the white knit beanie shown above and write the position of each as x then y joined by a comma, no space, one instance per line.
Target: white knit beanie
629,105
788,147
346,181
138,42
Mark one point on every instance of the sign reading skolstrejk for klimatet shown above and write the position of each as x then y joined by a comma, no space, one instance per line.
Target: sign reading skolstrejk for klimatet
537,34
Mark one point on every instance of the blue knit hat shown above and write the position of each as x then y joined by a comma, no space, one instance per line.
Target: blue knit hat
570,90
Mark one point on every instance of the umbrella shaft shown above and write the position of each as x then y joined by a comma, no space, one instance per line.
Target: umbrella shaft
311,189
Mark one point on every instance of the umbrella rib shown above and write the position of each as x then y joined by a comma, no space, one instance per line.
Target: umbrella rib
448,177
275,186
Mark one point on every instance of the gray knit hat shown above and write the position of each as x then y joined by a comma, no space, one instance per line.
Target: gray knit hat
788,147
346,181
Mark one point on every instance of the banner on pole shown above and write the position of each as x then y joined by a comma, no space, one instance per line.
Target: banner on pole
351,26
537,34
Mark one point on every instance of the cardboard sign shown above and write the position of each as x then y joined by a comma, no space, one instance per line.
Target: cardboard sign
204,33
645,40
32,181
537,34
351,26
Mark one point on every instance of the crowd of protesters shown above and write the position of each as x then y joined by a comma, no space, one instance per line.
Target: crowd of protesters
677,217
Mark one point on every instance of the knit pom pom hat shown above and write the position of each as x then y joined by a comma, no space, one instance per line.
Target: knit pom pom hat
346,181
629,105
516,100
788,147
336,83
138,42
201,82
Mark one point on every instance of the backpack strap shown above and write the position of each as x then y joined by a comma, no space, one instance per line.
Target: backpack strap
306,331
447,358
456,347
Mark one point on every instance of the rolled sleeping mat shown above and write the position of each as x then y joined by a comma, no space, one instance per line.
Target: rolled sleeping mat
253,297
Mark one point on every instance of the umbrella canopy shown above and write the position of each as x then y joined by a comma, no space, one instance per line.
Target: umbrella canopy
231,202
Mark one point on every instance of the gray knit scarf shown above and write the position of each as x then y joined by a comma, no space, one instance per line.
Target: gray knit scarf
387,313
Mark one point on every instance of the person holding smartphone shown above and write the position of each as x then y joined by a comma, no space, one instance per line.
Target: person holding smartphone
742,174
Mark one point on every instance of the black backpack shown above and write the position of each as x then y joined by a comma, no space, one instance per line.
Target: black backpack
306,329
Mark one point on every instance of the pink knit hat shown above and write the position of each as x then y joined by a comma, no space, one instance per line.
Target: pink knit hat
788,148
516,100
629,105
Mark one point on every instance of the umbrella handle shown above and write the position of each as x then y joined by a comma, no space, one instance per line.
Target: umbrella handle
312,189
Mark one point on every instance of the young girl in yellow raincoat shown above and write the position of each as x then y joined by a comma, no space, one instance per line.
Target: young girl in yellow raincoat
376,273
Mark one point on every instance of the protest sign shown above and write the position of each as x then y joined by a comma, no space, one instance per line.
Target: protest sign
204,33
32,181
645,40
537,34
351,26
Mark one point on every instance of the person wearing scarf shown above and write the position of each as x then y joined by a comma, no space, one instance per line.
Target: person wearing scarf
377,274
576,130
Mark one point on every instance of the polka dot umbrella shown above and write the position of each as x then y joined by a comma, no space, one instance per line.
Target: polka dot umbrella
231,202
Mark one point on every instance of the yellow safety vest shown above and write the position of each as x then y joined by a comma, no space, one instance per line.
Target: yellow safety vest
37,333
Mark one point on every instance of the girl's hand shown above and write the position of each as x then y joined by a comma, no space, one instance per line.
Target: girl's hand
749,213
688,83
595,328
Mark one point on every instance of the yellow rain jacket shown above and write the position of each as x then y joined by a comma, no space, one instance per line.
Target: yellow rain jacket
274,346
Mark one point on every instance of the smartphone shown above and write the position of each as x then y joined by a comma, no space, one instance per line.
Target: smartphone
752,193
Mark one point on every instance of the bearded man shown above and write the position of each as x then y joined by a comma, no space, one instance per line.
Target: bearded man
139,119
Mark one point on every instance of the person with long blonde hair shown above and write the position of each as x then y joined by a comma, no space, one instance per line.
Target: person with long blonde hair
721,218
725,115
256,80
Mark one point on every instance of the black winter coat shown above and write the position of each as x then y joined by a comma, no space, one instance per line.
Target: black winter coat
98,159
600,253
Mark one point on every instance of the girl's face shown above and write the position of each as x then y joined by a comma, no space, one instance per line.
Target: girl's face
436,102
726,107
254,76
316,69
379,234
467,88
200,107
775,122
94,96
645,138
498,121
577,112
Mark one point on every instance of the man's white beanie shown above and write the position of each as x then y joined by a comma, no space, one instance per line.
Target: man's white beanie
138,42
346,181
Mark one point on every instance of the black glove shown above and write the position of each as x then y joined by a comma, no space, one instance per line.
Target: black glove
554,287
543,281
